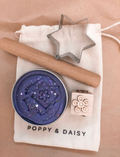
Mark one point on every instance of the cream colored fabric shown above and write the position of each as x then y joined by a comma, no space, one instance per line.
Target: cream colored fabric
64,132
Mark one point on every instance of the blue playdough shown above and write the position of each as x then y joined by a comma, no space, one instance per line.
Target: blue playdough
39,97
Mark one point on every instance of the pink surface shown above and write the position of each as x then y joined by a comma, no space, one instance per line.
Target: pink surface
15,13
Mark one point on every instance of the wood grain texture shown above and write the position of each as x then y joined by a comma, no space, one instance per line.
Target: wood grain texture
48,61
13,14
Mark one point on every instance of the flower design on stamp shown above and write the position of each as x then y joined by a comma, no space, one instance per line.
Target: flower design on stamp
80,104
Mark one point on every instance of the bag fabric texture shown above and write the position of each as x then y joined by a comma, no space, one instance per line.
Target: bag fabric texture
69,131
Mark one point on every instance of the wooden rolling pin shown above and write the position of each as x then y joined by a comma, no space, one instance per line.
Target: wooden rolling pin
48,61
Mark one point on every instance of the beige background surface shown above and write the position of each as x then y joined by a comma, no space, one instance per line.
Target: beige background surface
14,13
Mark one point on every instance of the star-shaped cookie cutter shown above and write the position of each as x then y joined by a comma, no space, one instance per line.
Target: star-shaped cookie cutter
57,43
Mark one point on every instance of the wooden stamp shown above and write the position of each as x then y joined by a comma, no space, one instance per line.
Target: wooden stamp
82,103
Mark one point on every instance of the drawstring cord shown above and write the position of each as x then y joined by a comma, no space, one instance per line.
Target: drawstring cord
108,35
17,33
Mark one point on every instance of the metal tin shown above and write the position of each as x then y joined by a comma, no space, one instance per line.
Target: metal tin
57,77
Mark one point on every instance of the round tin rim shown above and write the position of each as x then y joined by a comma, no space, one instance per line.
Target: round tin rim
60,79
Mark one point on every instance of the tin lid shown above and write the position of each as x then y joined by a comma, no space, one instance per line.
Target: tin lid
39,97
